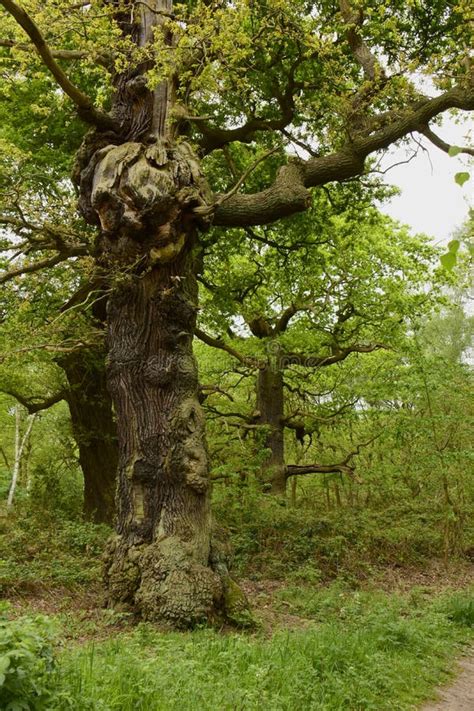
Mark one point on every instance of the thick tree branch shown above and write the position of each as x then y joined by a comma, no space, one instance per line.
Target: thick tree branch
84,104
214,137
344,467
44,236
20,223
250,420
300,425
302,469
260,327
289,193
68,346
307,360
33,405
286,316
359,49
206,390
68,55
223,346
43,263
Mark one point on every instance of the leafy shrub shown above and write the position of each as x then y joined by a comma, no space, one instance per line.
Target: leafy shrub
308,541
26,663
57,487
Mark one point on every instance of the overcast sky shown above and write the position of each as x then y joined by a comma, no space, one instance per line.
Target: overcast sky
430,201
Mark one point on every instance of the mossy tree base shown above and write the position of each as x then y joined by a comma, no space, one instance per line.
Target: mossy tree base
164,582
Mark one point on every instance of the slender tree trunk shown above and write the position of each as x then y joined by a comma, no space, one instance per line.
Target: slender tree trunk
294,485
94,430
270,406
20,443
16,460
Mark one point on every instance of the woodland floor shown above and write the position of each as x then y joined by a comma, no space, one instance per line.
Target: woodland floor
85,622
90,621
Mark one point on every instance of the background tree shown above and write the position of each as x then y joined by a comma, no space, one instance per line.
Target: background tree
22,439
288,302
48,357
60,318
306,74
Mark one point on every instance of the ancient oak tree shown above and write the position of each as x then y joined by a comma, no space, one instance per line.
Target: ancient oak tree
296,305
181,85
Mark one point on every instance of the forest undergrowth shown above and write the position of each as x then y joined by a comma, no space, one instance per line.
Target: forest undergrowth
349,614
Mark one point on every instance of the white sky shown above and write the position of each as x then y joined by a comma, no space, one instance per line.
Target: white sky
430,201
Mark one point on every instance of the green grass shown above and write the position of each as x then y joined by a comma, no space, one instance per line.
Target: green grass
370,651
360,650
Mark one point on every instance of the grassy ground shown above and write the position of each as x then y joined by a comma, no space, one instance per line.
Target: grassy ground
382,654
380,643
338,649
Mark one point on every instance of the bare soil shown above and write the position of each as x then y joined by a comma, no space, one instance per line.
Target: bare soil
459,696
437,575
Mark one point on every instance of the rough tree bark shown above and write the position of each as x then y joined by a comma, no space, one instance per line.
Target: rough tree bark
141,188
160,558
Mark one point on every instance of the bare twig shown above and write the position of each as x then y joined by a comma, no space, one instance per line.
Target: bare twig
442,145
244,176
34,405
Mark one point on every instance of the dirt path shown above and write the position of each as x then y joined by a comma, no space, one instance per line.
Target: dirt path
459,696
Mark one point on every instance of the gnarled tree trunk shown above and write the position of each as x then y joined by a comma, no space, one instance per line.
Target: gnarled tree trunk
160,559
142,188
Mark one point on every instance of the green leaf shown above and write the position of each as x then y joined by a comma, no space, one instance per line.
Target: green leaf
454,151
454,245
4,663
461,178
448,260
